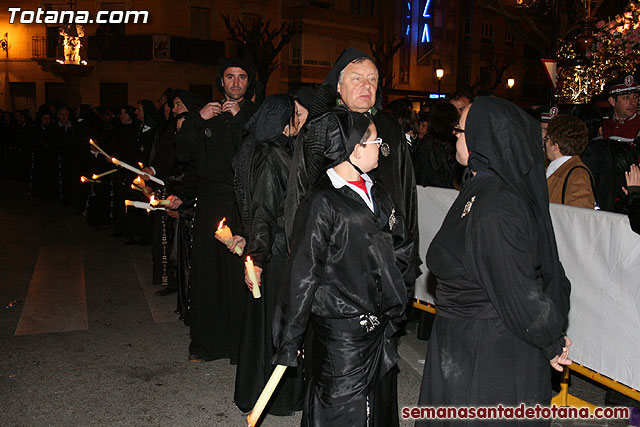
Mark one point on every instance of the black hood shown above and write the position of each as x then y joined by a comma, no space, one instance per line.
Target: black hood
353,126
328,93
151,115
268,122
247,66
304,95
192,101
503,139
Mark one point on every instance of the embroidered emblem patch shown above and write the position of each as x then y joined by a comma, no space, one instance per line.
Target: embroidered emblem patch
392,219
384,149
628,81
207,132
467,207
553,112
369,321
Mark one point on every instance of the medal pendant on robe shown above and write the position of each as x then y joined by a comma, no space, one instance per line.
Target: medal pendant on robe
392,219
207,132
467,207
384,149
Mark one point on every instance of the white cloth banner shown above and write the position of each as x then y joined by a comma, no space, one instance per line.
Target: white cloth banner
601,257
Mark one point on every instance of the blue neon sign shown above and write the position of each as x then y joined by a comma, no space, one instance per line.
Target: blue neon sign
426,36
425,24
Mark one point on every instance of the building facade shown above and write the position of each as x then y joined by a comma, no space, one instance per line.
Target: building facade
182,42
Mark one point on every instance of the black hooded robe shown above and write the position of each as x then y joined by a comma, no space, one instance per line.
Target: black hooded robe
217,288
346,281
502,295
268,171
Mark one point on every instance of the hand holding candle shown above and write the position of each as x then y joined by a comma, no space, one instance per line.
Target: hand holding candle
223,233
158,202
251,273
135,170
100,150
268,390
142,205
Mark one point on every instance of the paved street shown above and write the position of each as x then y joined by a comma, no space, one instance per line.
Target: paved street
89,344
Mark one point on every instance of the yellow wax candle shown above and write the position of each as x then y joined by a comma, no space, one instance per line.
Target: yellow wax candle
98,148
135,187
158,202
275,378
224,234
104,173
251,272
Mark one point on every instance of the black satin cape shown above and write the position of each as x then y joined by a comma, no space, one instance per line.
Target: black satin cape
346,270
345,262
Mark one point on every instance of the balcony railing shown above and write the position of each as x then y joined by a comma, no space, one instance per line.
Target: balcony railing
43,47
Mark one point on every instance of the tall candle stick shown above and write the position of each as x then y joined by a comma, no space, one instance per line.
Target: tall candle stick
135,170
135,187
142,205
100,175
94,145
251,272
224,234
268,390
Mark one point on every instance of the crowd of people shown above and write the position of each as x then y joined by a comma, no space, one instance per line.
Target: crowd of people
319,189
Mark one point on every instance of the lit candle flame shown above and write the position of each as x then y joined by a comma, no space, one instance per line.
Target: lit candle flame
138,180
222,223
83,179
141,165
94,176
248,258
153,201
91,141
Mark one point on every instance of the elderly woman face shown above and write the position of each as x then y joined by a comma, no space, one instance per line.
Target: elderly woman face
462,152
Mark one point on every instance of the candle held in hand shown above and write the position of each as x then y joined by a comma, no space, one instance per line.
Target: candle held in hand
251,272
268,390
98,176
223,233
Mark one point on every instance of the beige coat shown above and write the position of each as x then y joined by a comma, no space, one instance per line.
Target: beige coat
579,191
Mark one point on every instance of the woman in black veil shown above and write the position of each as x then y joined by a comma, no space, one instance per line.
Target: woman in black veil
502,295
261,169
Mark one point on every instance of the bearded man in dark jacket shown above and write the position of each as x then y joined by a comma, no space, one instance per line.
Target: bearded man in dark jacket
209,138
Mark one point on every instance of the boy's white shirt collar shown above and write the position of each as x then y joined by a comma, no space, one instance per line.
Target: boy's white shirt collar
338,182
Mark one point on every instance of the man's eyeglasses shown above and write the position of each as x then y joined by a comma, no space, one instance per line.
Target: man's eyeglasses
457,130
375,141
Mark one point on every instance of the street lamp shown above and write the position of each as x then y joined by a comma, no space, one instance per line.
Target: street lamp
439,75
510,83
